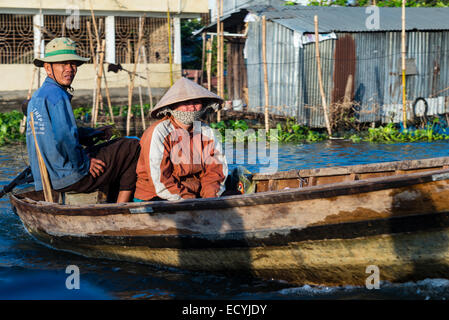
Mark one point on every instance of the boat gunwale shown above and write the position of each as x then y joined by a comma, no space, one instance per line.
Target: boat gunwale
423,222
261,198
390,166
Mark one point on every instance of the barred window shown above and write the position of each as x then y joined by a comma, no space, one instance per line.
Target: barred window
155,37
55,26
16,39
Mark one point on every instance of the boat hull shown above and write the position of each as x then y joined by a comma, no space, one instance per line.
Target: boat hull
326,235
399,257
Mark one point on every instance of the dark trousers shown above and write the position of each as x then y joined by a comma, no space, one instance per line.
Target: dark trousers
120,157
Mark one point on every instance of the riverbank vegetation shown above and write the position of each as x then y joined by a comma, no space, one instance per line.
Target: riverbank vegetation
10,127
290,131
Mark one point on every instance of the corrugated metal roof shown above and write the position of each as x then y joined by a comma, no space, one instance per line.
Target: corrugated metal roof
353,19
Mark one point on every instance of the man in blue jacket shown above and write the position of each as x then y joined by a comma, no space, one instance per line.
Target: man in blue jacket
70,167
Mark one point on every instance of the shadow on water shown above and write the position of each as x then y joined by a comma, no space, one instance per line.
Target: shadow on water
22,259
222,248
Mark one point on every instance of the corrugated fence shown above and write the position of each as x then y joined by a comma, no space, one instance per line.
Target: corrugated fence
374,57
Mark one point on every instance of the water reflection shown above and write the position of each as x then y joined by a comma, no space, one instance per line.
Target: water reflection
344,153
23,259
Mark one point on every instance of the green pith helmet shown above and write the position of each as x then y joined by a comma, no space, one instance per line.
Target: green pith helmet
58,50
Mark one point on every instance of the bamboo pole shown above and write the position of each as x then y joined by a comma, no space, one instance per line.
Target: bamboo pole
99,76
142,115
203,56
97,65
170,58
94,23
218,48
150,95
108,97
219,55
128,61
133,76
320,80
209,62
403,53
265,71
94,58
42,168
30,89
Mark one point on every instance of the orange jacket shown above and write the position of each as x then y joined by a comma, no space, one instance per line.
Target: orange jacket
175,163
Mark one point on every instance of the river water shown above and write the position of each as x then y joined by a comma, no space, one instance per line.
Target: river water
30,270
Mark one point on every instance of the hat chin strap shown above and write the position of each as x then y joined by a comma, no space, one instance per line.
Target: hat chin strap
69,87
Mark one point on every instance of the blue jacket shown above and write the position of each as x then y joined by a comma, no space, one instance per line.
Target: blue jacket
57,136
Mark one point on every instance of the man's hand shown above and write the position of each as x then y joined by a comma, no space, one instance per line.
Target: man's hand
106,132
97,167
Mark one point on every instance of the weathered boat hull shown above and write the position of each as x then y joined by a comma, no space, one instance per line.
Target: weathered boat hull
326,234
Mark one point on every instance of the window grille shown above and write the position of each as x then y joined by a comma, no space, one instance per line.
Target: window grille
16,39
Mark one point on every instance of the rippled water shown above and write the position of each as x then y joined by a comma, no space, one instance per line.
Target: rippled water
30,270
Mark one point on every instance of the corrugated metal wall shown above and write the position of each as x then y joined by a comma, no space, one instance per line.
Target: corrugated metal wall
293,80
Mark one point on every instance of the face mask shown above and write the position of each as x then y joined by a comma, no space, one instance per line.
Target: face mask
187,117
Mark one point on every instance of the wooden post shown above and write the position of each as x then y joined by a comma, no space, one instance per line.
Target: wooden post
403,52
320,80
209,62
42,168
142,115
133,76
265,71
348,90
203,56
99,76
94,23
150,95
94,58
219,55
169,44
97,65
30,89
108,97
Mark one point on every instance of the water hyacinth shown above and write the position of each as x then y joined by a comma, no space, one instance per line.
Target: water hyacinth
10,127
394,133
286,133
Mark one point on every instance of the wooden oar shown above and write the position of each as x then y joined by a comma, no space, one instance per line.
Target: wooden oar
42,168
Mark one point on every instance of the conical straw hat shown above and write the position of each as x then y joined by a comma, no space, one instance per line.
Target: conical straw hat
184,90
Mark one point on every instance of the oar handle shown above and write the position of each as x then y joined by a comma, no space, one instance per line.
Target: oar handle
42,168
20,179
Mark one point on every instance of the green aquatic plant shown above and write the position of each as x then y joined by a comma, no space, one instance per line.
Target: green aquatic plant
288,132
10,127
84,113
393,133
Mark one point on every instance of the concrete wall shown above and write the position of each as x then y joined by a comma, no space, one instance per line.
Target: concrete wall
15,80
176,6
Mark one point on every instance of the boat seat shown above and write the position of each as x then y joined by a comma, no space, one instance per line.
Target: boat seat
73,198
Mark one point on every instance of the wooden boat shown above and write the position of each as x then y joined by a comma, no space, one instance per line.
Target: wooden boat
320,226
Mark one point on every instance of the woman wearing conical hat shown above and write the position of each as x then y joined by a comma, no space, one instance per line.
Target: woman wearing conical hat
181,157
